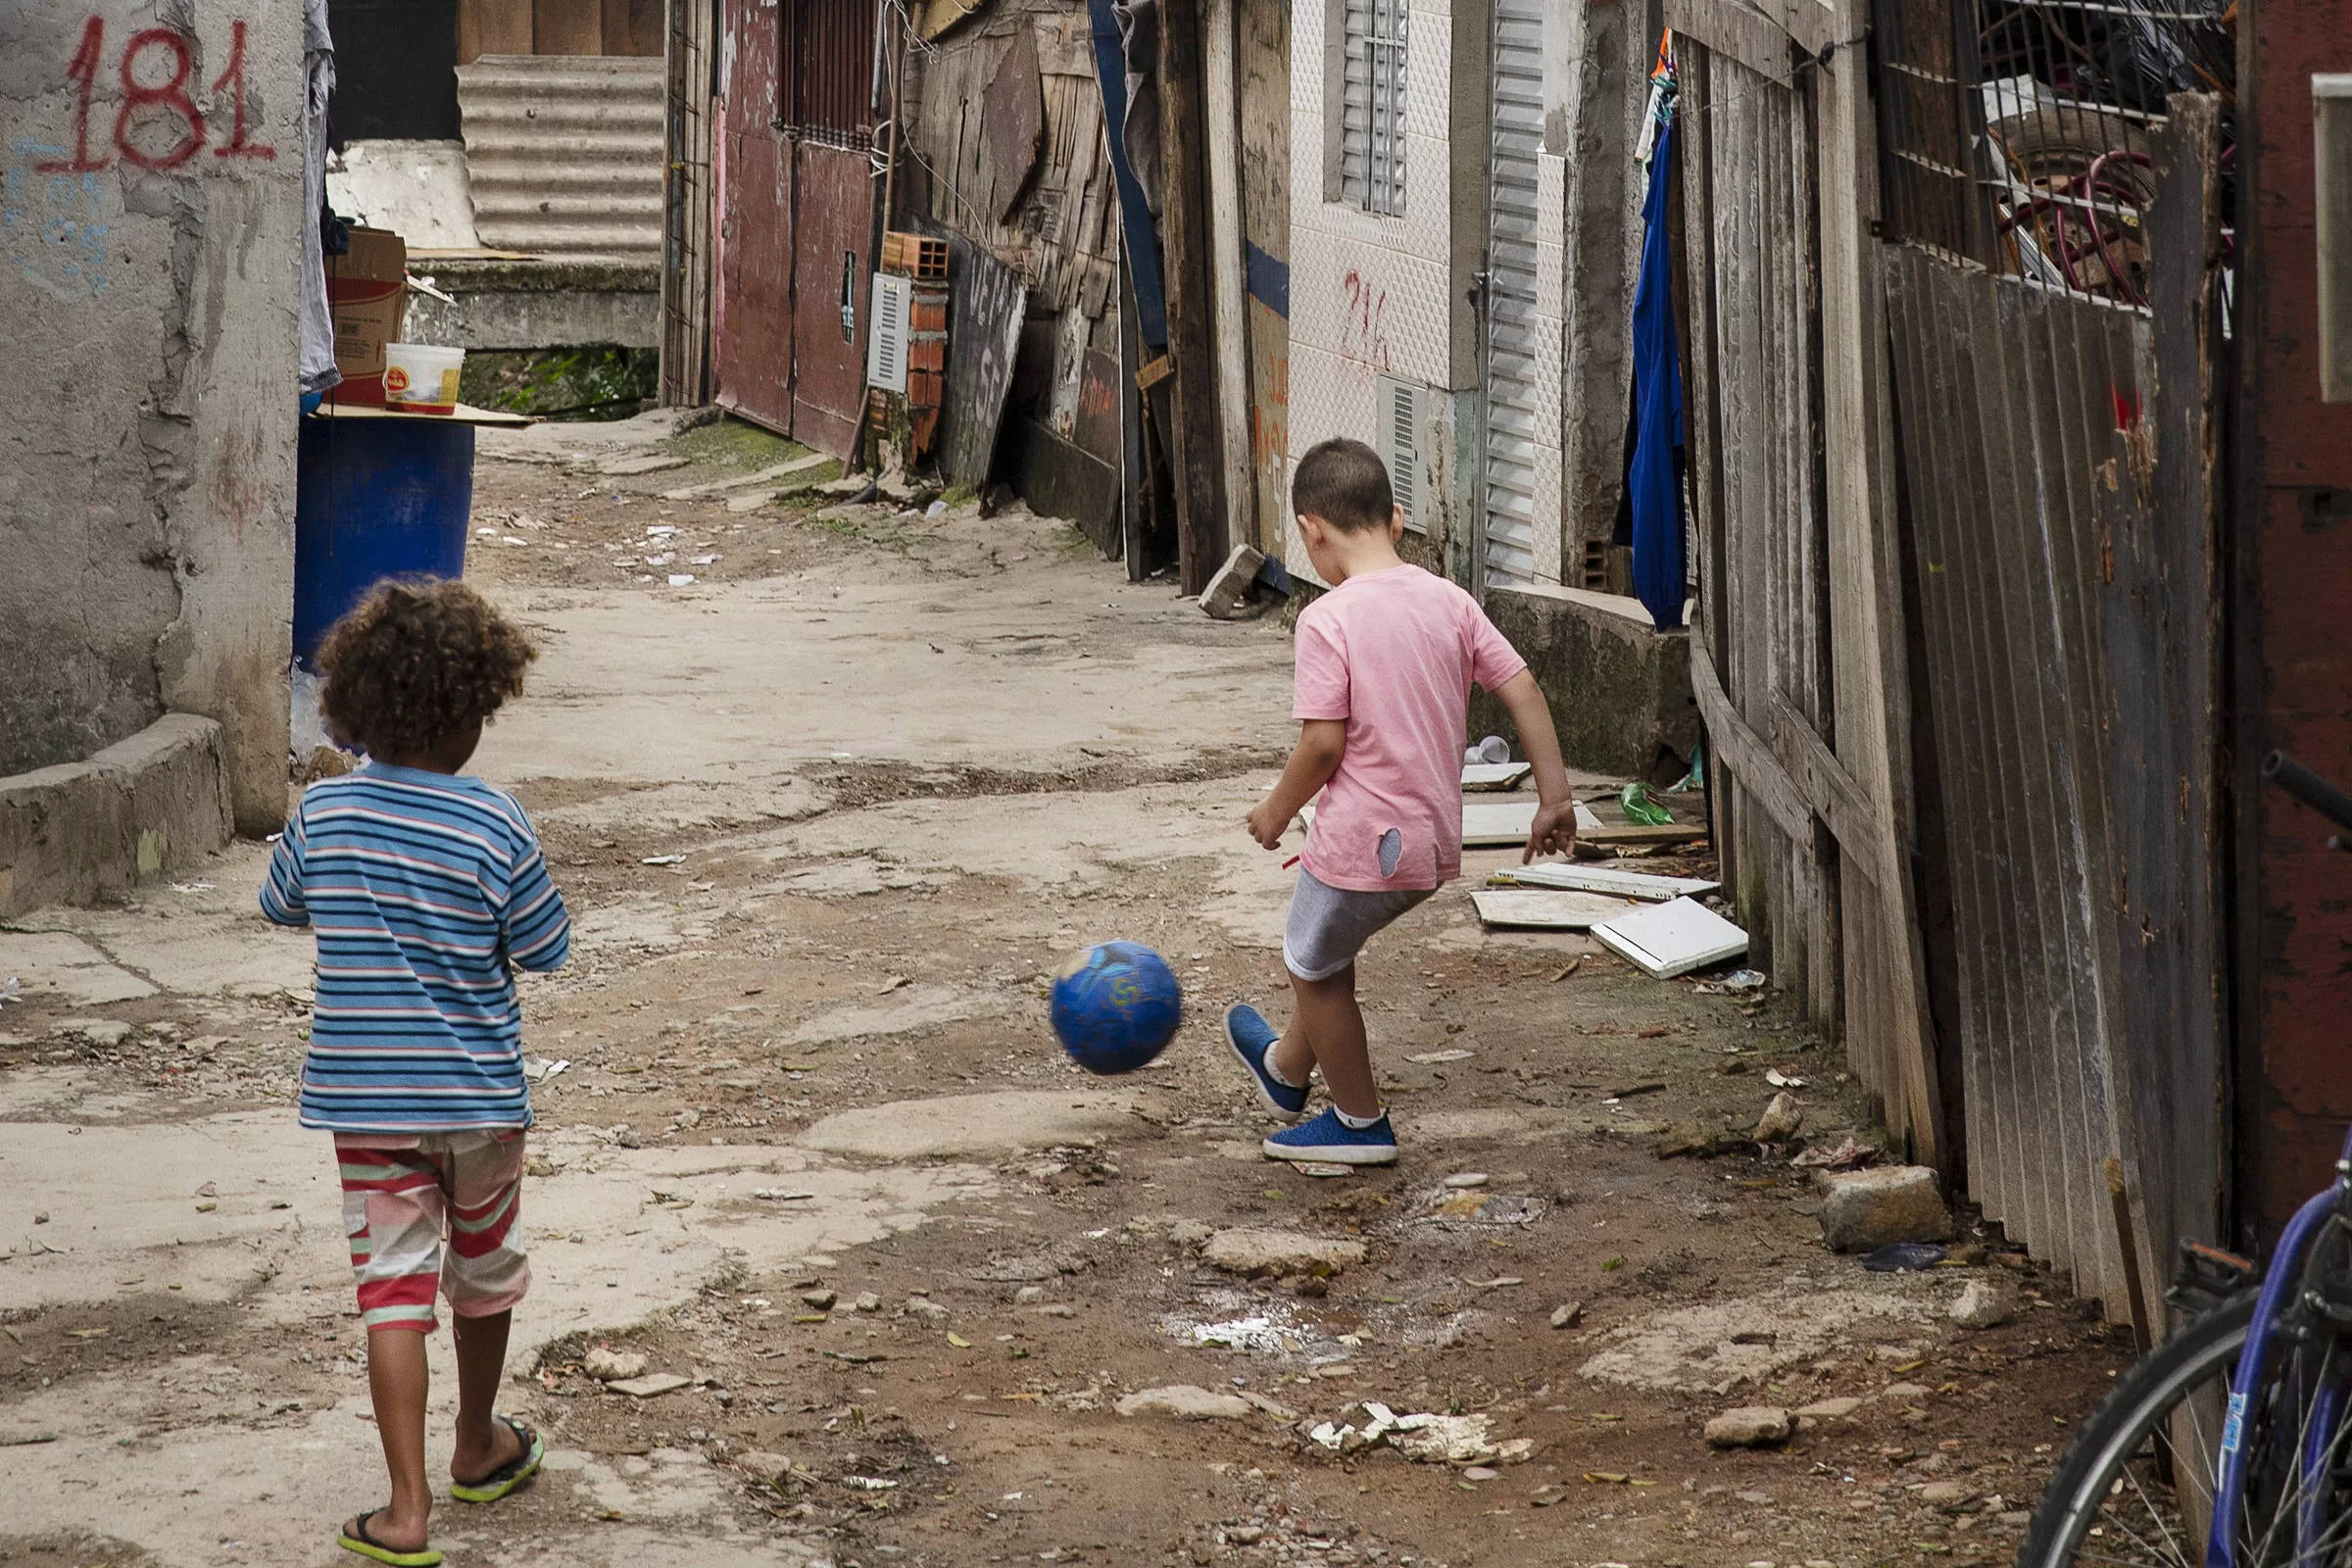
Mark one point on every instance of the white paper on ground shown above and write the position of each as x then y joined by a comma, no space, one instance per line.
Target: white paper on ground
1664,940
1495,776
1545,910
1638,885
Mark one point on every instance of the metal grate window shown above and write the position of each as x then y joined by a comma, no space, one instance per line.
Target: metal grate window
828,71
2015,133
1372,106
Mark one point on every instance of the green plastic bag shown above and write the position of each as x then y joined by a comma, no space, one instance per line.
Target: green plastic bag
1639,808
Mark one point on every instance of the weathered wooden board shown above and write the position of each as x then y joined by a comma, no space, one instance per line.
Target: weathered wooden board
986,305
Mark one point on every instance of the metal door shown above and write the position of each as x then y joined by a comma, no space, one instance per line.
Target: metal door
751,315
1512,321
796,192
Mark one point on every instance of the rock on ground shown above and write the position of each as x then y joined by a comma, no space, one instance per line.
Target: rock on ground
1986,1304
608,1365
1186,1402
1781,1119
1258,1253
1753,1426
761,1465
1869,1208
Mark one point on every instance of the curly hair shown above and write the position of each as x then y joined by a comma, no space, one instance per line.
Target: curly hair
417,660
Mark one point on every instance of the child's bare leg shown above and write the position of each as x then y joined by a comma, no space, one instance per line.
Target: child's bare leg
397,1381
1327,1032
485,1444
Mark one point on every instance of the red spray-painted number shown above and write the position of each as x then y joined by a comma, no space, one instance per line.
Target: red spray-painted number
170,97
239,146
84,72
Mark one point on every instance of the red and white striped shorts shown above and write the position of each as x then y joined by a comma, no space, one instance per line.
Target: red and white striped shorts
429,1212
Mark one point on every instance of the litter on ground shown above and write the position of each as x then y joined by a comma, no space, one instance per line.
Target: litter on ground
1670,939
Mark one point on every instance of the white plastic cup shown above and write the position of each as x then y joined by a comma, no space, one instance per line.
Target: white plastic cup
421,378
1494,749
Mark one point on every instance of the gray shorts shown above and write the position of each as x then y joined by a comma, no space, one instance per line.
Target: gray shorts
1329,926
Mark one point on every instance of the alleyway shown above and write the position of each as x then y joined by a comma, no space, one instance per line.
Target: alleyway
828,817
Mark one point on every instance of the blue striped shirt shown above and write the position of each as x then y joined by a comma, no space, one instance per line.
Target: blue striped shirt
425,890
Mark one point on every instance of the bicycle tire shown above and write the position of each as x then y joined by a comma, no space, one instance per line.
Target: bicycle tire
2142,1400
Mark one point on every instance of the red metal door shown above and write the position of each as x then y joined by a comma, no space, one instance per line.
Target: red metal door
750,313
796,203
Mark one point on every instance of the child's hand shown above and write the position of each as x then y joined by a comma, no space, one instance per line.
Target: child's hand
1553,831
1266,826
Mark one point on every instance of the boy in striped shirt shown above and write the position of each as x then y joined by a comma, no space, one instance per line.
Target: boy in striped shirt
426,890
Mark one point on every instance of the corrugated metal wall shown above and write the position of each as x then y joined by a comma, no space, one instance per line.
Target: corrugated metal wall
563,153
2006,399
1512,315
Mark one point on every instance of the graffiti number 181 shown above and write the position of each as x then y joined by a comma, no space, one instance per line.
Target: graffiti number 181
156,51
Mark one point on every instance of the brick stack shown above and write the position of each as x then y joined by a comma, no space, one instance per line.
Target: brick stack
925,261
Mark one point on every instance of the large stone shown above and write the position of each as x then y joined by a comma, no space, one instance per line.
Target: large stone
1260,1253
1229,590
1986,1304
1751,1426
1866,1210
608,1365
1186,1402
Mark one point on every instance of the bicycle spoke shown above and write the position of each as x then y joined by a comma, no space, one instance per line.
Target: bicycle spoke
2153,1514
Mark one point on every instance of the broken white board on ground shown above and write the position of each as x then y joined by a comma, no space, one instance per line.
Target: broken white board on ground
1486,824
1665,940
1490,824
1639,885
1545,908
1495,776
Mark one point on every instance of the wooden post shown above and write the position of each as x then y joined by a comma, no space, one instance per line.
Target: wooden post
1227,250
1200,534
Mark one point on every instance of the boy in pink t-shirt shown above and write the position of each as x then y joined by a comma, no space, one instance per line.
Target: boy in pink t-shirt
1386,663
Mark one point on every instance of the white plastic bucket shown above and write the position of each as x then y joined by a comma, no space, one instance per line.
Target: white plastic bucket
421,378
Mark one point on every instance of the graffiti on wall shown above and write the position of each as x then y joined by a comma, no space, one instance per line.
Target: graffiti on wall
133,106
1364,325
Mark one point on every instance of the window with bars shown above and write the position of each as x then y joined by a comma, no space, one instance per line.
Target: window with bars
1371,138
827,71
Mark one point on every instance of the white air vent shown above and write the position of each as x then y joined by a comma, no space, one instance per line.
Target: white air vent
886,342
1404,417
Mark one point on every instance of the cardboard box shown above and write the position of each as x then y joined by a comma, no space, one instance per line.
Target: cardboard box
367,293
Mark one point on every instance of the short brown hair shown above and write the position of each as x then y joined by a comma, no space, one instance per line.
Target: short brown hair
418,659
1345,484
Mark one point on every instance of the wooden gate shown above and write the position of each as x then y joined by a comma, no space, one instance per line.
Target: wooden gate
795,214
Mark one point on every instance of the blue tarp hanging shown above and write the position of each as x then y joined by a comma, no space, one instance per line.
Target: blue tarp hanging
1653,476
1135,212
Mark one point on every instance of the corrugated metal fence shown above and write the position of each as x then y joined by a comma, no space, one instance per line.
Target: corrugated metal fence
2005,397
565,152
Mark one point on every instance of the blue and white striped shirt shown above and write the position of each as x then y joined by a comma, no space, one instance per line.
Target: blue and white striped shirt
421,888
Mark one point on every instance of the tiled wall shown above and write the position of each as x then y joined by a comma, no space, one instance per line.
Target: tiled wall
1372,294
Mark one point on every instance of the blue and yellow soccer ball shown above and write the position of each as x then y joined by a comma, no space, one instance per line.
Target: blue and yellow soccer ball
1117,1006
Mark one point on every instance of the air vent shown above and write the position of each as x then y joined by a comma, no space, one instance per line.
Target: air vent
1404,415
886,342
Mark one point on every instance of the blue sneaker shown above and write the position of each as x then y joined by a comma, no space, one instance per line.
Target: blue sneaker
1251,1038
1327,1138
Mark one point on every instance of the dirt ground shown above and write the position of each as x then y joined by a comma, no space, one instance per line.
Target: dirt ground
828,817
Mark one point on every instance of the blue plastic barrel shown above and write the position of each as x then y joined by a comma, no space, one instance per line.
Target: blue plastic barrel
374,499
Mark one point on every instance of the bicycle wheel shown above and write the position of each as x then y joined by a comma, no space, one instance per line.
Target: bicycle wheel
2136,1487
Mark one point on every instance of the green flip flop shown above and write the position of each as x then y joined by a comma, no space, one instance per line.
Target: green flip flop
367,1545
506,1477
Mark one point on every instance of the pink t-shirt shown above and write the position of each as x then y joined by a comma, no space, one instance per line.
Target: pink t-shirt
1394,654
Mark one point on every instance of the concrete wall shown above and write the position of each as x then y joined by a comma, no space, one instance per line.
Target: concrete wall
1372,294
1620,692
147,460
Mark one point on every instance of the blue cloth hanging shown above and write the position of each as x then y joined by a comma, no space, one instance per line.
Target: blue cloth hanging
1653,475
